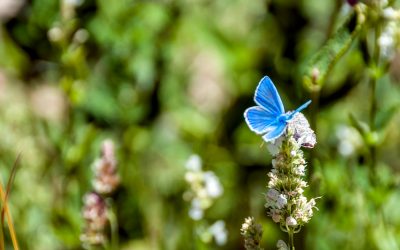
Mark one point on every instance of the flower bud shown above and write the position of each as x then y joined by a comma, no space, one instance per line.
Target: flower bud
290,221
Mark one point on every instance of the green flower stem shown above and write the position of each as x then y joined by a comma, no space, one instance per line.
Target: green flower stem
113,225
332,19
198,243
315,95
290,230
373,99
291,241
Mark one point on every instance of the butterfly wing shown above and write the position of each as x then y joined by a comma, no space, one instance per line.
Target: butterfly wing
259,119
263,119
275,131
267,97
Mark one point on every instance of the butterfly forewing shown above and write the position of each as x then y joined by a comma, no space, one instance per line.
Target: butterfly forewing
259,119
268,98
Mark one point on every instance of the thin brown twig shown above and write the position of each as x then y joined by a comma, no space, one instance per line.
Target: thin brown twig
9,184
5,211
10,223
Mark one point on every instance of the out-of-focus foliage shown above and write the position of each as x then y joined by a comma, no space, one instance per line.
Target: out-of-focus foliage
168,79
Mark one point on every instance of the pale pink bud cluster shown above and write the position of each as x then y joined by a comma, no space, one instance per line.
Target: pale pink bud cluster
95,215
106,178
252,233
95,211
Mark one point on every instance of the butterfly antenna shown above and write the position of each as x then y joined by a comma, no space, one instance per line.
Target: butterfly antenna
305,105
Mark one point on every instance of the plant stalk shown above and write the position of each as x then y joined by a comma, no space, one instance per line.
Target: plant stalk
291,241
373,98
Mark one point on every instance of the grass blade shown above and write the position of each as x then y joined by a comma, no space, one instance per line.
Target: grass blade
5,211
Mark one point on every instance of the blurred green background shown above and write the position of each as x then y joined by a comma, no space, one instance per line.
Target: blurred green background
168,79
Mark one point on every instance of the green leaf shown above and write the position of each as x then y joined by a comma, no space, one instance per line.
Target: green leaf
361,127
13,59
320,64
384,117
370,137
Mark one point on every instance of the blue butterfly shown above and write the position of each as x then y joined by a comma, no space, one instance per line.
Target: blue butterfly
269,118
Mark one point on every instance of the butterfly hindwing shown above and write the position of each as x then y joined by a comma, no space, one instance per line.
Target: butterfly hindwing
259,119
276,130
268,98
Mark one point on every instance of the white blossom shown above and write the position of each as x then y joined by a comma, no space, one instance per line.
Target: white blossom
204,188
196,211
281,201
9,8
300,170
303,134
212,184
74,3
390,13
272,194
274,146
281,245
388,40
246,225
349,140
290,221
219,232
193,163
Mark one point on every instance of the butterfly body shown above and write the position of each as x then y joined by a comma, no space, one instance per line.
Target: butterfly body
283,118
269,117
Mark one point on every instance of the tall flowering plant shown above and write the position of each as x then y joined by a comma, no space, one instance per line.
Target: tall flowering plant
97,211
286,133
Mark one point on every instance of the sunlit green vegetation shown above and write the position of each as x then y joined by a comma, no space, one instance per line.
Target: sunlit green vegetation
166,80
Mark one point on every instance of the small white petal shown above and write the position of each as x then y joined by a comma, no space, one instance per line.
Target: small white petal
390,13
219,232
195,212
281,245
212,184
276,217
290,221
281,201
303,134
193,163
272,194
